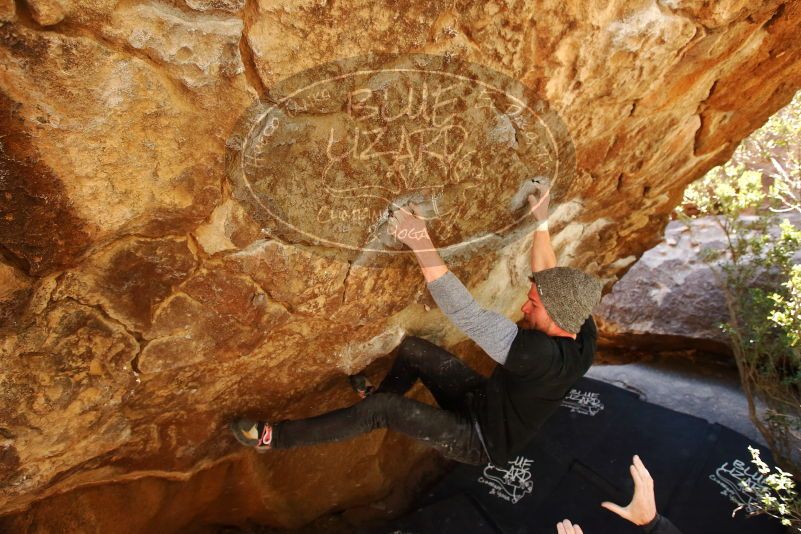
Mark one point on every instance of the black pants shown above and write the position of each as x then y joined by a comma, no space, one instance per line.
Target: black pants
449,429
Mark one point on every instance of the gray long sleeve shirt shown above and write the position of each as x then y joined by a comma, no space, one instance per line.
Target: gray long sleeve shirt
490,330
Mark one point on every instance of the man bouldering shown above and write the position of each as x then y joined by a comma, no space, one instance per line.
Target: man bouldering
479,419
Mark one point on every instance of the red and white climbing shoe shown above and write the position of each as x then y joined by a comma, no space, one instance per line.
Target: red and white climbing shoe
256,434
361,385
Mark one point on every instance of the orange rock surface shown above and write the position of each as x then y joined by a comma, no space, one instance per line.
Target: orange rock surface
142,304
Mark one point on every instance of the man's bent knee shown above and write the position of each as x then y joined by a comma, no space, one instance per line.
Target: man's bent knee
412,342
414,347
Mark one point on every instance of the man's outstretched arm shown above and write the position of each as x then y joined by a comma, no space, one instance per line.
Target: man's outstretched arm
490,330
542,254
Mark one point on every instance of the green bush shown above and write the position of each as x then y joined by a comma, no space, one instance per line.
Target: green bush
762,288
776,496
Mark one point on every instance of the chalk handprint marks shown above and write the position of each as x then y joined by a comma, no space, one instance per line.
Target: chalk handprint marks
335,148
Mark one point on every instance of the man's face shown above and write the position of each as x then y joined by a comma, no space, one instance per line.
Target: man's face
534,312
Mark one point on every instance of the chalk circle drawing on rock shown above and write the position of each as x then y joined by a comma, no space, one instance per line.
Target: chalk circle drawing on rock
329,153
510,484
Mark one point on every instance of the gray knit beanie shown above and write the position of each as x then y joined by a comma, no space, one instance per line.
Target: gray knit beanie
568,294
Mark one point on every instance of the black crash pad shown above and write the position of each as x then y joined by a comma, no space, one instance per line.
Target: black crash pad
455,515
581,458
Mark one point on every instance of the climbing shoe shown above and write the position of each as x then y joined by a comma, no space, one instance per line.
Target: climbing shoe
256,434
361,385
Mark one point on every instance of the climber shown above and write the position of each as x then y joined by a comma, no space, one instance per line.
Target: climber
479,419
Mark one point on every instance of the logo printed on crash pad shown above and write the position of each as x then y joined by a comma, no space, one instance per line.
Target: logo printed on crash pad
510,484
583,402
731,476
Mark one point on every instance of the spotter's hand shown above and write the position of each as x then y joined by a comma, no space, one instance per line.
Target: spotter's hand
642,508
566,527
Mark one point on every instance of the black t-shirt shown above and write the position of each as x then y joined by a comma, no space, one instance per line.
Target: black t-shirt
528,388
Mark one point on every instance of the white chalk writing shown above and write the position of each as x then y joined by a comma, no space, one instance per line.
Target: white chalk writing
511,484
731,476
583,402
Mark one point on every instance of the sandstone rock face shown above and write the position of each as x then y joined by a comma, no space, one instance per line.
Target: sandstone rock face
670,300
143,303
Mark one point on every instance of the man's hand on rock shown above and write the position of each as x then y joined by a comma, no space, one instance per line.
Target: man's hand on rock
539,206
409,228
